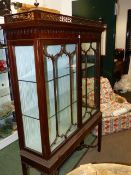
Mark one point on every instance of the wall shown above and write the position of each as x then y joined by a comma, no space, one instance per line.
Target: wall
1,20
121,23
93,9
64,6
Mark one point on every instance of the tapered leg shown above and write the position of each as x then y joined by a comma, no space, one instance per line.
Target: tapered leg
25,169
99,135
55,173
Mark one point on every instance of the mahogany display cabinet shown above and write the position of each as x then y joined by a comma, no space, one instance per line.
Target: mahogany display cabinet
52,58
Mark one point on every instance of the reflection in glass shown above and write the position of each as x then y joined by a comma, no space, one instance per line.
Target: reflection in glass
61,93
88,56
28,96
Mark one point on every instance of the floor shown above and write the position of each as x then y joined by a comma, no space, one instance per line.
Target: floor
10,163
116,148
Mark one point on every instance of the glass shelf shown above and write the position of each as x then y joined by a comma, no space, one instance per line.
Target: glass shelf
84,66
26,81
63,109
59,77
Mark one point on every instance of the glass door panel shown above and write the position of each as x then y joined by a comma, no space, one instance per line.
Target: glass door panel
28,96
88,62
61,91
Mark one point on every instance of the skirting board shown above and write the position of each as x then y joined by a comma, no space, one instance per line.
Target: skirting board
10,139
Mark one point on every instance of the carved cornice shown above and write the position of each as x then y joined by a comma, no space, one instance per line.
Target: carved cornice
35,32
37,24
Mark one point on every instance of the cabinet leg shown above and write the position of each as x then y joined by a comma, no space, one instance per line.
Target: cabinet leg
25,169
99,135
82,142
54,173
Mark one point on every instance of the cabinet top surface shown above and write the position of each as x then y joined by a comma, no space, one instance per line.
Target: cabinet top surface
42,18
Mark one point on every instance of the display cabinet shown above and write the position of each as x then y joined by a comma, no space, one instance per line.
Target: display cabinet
52,58
8,127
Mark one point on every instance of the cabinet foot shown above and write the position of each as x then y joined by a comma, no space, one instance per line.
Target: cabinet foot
54,173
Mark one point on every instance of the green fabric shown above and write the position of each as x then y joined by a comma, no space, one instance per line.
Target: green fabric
10,163
10,160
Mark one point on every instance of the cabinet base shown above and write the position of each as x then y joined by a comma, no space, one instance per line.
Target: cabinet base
49,166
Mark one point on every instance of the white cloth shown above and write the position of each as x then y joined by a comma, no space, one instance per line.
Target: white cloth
120,111
125,82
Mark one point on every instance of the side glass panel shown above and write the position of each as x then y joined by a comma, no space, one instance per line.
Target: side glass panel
61,91
88,61
28,96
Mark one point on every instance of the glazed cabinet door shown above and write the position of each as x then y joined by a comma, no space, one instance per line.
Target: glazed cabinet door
60,73
90,79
